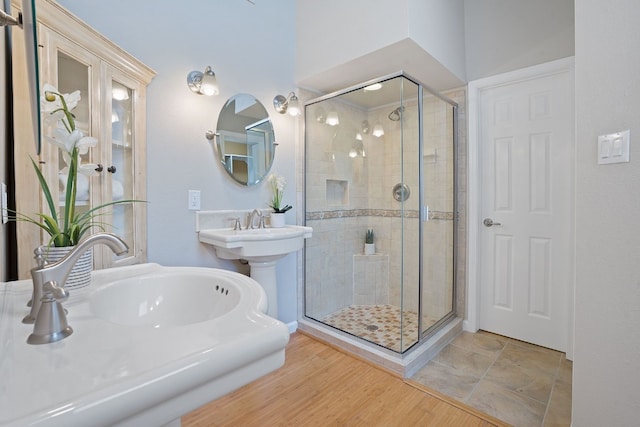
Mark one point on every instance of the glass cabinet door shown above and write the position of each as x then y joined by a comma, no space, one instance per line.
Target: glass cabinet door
121,167
74,75
112,85
122,164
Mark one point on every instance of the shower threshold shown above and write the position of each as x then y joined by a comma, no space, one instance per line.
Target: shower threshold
403,365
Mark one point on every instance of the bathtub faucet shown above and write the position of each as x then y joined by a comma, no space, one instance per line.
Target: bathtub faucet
47,314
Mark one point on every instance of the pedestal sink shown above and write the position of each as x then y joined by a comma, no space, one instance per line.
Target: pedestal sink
262,247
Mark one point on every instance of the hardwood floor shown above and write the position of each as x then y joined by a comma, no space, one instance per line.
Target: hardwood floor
321,386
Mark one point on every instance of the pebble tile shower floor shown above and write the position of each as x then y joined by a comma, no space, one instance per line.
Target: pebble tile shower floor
380,324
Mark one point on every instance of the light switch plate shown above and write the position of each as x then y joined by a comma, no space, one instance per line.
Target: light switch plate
613,148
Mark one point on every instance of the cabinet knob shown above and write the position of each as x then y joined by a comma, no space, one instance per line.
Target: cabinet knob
111,169
99,168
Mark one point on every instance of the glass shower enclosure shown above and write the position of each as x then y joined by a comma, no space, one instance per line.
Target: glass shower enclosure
380,163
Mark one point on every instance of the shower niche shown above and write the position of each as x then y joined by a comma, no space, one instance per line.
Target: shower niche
380,142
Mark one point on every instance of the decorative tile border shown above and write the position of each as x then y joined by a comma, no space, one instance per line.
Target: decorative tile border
386,213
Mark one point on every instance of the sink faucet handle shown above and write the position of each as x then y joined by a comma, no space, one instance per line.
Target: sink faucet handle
51,323
41,261
236,223
262,222
38,255
52,290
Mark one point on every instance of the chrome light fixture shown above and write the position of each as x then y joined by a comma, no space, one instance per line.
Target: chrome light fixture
203,83
6,19
290,104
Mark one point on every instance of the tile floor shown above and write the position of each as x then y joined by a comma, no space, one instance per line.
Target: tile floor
516,382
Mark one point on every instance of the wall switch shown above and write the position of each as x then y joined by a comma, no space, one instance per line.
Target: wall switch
613,148
194,200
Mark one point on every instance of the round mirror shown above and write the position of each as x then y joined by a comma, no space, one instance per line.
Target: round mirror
245,139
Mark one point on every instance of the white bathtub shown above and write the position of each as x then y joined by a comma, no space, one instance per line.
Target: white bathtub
150,343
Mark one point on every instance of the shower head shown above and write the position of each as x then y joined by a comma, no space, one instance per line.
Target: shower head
396,114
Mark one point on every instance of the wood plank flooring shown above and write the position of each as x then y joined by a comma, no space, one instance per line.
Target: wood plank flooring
321,386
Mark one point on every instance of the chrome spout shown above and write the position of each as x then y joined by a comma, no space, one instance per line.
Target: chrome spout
49,289
59,271
255,212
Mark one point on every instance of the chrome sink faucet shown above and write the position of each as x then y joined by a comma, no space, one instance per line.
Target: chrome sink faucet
251,216
47,314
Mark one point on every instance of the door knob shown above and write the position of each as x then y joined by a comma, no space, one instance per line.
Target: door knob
488,222
100,168
111,169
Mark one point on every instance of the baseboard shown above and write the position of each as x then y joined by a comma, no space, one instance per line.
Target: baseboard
293,326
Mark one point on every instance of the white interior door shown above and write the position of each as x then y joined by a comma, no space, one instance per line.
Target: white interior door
526,256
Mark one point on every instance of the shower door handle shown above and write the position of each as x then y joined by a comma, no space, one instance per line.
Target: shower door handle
488,222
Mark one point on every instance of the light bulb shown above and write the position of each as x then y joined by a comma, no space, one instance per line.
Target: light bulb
209,83
375,86
119,94
294,106
332,119
378,130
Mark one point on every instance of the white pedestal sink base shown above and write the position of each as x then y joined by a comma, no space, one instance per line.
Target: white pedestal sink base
262,247
264,272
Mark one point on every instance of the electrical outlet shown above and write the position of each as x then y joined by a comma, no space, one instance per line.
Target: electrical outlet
194,200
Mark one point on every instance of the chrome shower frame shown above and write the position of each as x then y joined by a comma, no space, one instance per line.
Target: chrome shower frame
437,328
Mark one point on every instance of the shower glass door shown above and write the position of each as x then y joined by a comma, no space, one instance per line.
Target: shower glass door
438,193
363,174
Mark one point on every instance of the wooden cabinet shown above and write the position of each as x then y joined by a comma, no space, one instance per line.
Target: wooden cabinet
112,109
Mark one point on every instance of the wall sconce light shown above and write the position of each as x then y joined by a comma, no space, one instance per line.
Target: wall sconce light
290,104
203,83
332,119
378,130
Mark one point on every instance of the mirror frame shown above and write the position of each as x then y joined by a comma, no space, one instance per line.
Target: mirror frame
31,54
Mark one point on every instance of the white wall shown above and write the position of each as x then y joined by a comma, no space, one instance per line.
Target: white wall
343,43
438,27
332,32
506,35
251,49
606,372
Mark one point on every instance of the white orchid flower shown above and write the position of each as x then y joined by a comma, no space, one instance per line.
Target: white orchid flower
68,141
51,104
88,169
277,182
